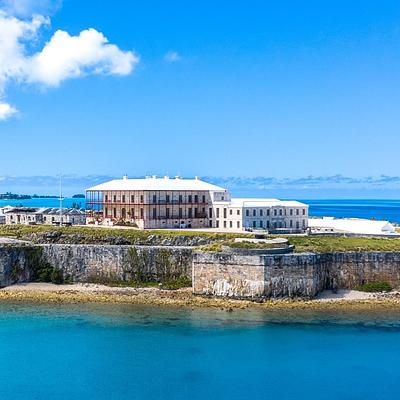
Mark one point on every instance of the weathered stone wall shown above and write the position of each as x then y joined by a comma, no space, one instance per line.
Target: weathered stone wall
228,274
221,274
291,275
93,263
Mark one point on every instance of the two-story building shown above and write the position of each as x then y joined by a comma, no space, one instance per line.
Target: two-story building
188,203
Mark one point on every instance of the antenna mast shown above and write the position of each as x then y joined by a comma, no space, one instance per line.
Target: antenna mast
61,201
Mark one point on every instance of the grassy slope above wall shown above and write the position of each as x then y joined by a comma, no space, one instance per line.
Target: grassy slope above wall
320,244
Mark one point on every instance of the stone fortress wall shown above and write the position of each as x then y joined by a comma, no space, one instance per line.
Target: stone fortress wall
221,274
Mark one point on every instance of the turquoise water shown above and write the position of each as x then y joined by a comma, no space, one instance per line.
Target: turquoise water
355,208
128,352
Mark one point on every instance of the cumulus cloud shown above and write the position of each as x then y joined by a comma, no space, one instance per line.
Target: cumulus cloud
63,57
172,57
6,111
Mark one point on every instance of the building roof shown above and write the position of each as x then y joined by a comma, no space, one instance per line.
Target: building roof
66,211
254,202
353,225
154,183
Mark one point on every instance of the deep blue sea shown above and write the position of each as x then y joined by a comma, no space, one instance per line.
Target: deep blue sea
355,208
131,352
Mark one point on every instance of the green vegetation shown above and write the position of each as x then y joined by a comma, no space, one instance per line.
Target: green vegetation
92,234
216,241
41,270
375,287
328,244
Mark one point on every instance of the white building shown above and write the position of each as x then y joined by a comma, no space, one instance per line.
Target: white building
190,203
41,215
351,225
262,214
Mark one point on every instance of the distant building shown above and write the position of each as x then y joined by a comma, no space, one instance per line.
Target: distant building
70,216
358,226
2,214
37,216
188,203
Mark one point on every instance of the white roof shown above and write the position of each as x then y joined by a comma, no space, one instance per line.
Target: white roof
353,225
254,202
154,183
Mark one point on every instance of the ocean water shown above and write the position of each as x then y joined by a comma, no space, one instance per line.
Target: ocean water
130,352
353,208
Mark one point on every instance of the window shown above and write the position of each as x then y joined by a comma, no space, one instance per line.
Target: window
132,198
247,213
196,212
230,224
141,198
267,213
204,198
190,198
304,211
167,198
154,198
291,212
180,198
196,198
267,224
217,212
275,212
230,212
115,213
217,224
238,224
132,213
154,213
297,224
225,210
210,213
261,213
280,212
190,213
141,213
115,198
224,224
106,198
291,223
222,198
180,213
254,213
123,198
304,223
297,211
261,224
106,212
237,212
167,213
254,224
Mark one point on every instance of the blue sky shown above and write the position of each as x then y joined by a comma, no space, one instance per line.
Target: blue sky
247,88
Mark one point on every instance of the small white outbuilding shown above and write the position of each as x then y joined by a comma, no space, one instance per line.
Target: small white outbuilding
351,225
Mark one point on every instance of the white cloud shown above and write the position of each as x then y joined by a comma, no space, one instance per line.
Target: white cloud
27,8
66,56
62,57
172,57
6,111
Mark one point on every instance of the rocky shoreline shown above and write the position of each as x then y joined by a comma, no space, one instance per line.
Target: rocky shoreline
92,293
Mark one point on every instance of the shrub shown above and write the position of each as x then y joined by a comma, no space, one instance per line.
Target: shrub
177,283
374,287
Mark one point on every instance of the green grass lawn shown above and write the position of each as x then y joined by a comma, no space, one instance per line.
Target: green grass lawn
21,231
320,244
